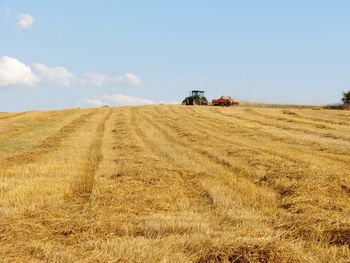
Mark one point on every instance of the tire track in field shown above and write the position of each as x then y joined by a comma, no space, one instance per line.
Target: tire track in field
273,166
285,127
294,145
182,133
25,134
83,187
50,144
69,222
222,224
323,151
346,122
235,127
203,128
286,213
292,170
63,223
293,173
302,116
202,199
258,203
323,130
152,150
175,141
15,128
227,117
211,156
290,117
240,174
282,123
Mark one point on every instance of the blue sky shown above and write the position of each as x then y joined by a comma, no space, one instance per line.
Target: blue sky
63,54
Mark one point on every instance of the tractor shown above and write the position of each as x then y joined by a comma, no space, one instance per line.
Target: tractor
196,98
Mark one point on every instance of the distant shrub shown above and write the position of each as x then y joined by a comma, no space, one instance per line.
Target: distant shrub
346,98
341,106
338,107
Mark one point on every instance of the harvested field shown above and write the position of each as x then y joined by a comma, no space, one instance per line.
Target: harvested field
175,183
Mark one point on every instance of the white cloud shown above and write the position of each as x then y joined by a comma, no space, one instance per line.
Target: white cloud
55,75
94,102
132,79
127,100
14,72
98,79
24,21
122,100
95,79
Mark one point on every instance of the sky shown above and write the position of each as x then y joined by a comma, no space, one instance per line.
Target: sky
63,54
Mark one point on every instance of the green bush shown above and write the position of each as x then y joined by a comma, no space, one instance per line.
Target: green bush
346,98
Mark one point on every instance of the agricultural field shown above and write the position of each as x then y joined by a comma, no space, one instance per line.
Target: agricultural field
173,183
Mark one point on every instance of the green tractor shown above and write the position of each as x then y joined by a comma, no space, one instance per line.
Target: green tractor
196,98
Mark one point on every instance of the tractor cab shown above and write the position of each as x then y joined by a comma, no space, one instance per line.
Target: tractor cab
194,93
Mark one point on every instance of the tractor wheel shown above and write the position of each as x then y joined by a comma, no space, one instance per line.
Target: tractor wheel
184,102
196,101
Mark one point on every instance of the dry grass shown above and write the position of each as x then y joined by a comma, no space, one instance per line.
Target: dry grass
175,184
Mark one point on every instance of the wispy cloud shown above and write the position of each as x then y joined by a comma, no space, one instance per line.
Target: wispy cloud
121,100
24,21
127,100
56,75
98,79
132,79
94,102
13,72
95,79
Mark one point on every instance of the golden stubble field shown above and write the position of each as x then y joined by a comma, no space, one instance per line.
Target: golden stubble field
175,184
